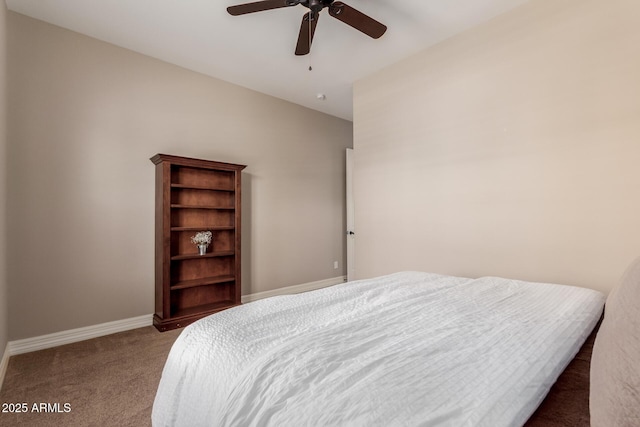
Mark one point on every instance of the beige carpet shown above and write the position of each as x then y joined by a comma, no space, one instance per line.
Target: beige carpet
106,381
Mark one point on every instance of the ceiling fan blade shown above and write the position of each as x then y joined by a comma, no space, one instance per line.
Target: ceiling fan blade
259,6
357,19
307,29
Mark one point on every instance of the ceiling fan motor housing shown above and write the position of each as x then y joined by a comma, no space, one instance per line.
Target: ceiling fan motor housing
317,5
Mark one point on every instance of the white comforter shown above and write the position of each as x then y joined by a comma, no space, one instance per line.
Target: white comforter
407,349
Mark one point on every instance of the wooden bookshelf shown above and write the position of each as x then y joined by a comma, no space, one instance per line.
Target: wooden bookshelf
195,195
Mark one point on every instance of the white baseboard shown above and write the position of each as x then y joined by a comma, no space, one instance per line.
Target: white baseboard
80,334
4,362
74,335
296,289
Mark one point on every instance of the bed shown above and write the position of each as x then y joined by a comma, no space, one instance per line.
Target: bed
614,393
406,349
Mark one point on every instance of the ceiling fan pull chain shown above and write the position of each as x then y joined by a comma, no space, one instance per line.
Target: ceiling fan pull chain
310,38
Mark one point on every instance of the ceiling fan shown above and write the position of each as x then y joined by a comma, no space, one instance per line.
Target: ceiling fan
337,9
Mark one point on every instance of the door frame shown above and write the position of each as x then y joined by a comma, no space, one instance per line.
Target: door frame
350,231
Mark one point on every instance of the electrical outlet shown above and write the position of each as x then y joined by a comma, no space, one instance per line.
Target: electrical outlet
335,265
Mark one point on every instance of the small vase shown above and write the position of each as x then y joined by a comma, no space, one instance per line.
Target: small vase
202,249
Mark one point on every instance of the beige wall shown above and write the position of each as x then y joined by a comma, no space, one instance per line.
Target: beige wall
4,321
511,150
86,116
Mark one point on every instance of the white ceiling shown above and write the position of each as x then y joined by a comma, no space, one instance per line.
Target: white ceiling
257,50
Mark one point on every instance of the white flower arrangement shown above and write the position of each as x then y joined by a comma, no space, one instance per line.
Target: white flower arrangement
202,238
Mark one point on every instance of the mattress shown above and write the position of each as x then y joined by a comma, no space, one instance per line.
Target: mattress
406,349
